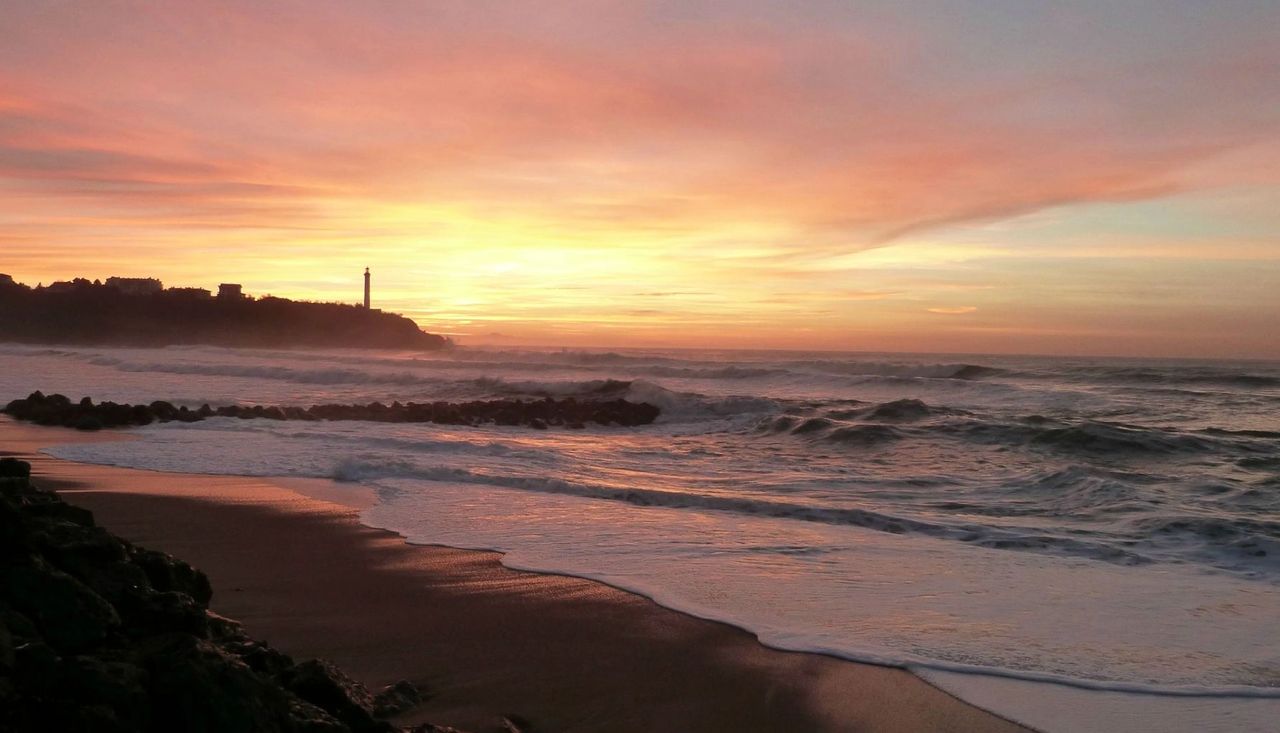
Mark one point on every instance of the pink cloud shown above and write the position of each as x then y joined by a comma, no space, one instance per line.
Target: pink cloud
819,128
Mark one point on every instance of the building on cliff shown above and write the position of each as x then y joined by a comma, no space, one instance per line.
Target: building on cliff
135,285
199,293
230,291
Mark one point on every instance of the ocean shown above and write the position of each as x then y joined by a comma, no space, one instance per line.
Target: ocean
1077,543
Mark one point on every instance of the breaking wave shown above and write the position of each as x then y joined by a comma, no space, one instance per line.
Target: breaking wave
859,368
1171,374
1110,439
1003,538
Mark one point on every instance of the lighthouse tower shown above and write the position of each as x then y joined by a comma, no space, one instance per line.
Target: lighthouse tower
366,288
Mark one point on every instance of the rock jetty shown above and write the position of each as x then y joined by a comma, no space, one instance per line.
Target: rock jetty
100,635
56,409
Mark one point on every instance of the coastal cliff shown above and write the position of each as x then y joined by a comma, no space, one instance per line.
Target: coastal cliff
84,312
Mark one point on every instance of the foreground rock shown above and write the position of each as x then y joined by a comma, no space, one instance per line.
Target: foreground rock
56,409
97,634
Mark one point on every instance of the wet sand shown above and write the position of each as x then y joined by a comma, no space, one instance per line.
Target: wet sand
290,560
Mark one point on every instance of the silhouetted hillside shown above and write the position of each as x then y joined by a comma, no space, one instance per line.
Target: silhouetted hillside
84,312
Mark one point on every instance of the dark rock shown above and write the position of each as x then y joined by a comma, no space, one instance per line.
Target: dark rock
6,647
115,582
196,687
516,724
538,414
327,687
146,614
260,657
307,718
68,614
14,468
89,554
163,411
13,486
118,685
37,668
52,714
56,525
13,525
396,698
167,573
19,626
89,423
223,629
58,510
74,547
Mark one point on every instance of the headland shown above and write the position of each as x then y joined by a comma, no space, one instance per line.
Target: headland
139,312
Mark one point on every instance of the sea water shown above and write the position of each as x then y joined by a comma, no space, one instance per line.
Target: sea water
1078,544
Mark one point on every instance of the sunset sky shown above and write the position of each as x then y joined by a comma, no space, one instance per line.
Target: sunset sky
986,176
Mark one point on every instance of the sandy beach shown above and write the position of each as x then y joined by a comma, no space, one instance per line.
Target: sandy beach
290,560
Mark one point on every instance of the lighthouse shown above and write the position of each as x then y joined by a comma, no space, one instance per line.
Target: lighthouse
366,288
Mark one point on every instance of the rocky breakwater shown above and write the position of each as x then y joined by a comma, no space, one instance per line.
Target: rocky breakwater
100,635
568,412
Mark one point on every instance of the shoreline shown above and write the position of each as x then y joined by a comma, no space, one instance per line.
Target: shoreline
290,560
